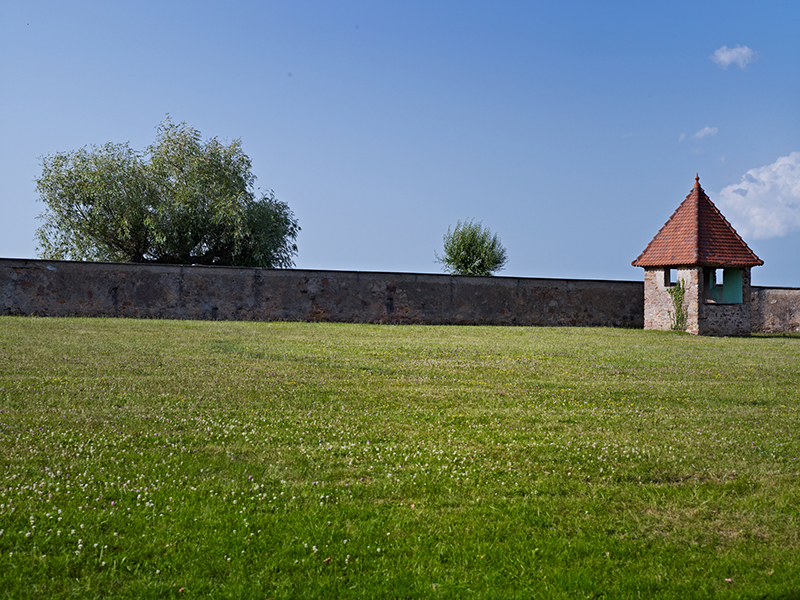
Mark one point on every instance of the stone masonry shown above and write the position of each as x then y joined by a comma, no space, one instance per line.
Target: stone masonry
51,288
775,310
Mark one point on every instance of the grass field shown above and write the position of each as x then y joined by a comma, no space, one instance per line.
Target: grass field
166,459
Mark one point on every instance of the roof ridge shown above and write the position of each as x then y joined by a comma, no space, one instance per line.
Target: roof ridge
699,193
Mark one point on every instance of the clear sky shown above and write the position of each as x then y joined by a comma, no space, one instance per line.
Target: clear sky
571,129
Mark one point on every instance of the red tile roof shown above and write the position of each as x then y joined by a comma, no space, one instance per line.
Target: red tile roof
697,235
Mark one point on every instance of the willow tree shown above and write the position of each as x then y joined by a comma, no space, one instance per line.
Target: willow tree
182,201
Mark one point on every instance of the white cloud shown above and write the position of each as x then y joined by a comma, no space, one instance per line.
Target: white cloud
766,203
705,131
741,55
682,137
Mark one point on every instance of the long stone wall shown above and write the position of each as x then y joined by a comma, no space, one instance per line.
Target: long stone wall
55,288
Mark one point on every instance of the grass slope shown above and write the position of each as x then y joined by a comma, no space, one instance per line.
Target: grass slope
165,459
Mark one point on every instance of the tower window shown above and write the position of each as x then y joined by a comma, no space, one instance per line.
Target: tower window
670,277
722,286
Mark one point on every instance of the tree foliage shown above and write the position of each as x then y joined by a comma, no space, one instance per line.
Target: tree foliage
471,249
181,201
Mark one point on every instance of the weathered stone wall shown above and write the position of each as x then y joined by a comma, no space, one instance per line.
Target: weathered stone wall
726,319
55,288
775,310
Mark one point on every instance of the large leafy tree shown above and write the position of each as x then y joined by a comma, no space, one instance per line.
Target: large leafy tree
181,201
471,249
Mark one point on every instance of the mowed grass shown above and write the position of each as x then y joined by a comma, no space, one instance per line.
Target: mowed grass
167,459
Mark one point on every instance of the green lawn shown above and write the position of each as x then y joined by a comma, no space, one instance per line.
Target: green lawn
169,459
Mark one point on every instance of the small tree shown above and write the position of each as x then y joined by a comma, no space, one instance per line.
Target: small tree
471,249
181,201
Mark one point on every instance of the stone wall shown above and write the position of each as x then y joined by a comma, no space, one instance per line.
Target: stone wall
775,310
55,288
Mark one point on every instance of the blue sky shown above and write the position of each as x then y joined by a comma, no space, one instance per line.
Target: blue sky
572,129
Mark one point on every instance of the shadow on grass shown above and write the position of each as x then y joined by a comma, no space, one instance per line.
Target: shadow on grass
777,335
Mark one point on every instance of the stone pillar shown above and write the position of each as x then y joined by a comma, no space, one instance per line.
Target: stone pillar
693,296
657,301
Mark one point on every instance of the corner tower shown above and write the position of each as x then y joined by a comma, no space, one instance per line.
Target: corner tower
697,272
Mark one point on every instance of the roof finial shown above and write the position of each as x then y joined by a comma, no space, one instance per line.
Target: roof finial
697,180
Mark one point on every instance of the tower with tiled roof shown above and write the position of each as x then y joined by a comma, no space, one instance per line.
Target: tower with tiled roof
697,272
